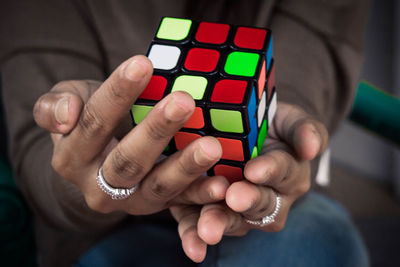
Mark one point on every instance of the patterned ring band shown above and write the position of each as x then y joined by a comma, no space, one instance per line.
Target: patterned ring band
269,218
115,193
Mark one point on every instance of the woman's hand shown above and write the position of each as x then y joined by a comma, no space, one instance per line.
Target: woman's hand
83,117
282,169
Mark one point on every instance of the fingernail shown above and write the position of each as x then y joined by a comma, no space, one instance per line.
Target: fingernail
211,194
316,134
61,110
201,157
176,110
134,71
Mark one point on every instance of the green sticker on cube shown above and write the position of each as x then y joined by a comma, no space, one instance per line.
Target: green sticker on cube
242,63
227,120
262,135
139,112
166,149
254,153
174,29
193,85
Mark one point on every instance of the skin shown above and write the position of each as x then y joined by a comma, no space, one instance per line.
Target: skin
86,114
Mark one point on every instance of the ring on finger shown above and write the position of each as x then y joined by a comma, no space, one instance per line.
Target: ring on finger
115,193
269,218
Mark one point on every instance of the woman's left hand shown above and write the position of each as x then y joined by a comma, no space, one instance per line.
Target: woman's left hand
283,169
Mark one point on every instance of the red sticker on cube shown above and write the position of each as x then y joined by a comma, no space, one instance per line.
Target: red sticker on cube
182,139
233,174
201,59
232,149
229,91
212,33
251,38
155,88
196,121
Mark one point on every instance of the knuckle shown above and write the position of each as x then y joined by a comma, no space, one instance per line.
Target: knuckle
285,159
93,85
280,158
126,167
116,95
273,178
161,191
186,169
273,174
156,131
91,122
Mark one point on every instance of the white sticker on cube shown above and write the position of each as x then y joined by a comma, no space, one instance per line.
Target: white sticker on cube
164,57
261,109
272,109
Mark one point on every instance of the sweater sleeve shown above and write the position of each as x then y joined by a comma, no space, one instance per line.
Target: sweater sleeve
318,47
40,46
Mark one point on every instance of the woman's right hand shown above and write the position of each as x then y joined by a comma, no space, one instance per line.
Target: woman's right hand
82,117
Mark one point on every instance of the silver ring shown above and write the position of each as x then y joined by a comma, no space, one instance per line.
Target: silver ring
115,193
269,218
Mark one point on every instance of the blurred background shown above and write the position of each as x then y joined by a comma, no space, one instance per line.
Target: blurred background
365,168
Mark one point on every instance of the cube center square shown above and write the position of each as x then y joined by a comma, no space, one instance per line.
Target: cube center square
201,59
229,72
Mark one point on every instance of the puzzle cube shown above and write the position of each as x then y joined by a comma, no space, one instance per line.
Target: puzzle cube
229,72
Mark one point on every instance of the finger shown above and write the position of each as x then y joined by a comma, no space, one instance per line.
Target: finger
192,245
216,220
137,152
255,202
310,139
108,106
278,169
203,190
244,197
271,169
177,172
307,136
58,111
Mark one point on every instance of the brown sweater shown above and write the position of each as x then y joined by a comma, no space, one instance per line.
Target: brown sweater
317,46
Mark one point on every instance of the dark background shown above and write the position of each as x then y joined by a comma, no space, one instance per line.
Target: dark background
365,169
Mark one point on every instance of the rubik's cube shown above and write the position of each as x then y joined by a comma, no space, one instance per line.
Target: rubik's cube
229,72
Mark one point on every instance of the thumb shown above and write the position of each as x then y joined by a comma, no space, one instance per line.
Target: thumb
307,136
57,112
